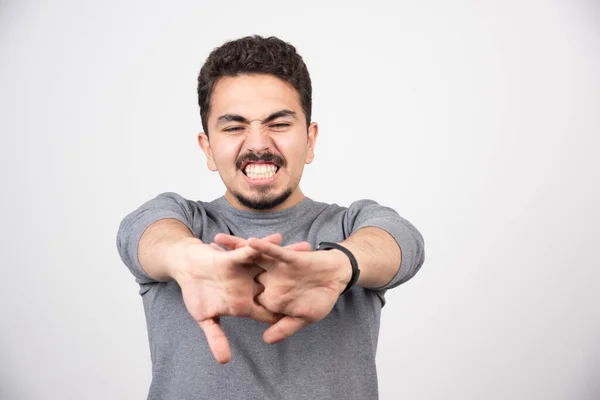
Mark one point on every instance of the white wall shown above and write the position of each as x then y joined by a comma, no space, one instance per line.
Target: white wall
477,121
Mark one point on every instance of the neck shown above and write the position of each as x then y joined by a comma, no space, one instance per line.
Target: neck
296,197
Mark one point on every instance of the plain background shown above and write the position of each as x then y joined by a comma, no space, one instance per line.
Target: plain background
476,120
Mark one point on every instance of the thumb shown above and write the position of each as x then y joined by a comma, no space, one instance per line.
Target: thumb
283,329
217,341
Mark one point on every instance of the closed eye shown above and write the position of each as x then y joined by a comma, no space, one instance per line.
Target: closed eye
233,129
280,125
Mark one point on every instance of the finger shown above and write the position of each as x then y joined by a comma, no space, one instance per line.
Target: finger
216,246
300,246
265,263
272,250
261,314
234,242
275,238
247,255
243,255
283,329
263,300
261,279
258,289
254,270
229,241
217,341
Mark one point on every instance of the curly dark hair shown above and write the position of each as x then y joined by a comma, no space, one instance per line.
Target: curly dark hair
254,55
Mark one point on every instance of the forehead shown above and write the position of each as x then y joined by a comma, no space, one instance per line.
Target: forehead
252,96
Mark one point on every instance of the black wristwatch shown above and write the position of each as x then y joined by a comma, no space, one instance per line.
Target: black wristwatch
353,262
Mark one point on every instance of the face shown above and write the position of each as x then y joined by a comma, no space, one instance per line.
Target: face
258,141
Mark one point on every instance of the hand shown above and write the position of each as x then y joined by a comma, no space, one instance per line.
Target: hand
302,285
218,283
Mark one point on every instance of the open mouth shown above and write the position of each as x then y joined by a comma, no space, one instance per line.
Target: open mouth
260,170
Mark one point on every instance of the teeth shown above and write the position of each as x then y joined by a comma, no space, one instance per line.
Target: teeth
260,171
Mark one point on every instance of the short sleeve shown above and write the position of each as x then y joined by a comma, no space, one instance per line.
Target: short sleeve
132,227
364,213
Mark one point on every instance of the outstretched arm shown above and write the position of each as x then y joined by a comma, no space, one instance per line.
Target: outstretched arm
159,249
377,253
306,286
213,282
159,242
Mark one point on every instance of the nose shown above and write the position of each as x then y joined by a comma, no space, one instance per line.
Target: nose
258,139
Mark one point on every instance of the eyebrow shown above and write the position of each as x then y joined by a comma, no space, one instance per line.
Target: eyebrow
238,118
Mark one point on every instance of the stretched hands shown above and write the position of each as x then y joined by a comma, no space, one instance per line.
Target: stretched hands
300,285
289,287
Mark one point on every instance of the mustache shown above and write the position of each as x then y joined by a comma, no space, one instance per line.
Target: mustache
264,157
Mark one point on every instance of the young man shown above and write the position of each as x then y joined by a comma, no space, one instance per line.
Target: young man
283,291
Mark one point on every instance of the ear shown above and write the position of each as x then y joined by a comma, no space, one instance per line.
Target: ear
205,146
313,132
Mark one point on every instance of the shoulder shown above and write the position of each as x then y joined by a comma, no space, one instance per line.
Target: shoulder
358,210
176,198
353,207
174,205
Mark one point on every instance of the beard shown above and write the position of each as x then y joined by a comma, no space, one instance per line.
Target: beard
263,201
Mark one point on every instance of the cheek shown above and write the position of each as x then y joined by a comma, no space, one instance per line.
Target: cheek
225,152
293,149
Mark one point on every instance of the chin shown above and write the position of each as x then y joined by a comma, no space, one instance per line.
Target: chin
263,201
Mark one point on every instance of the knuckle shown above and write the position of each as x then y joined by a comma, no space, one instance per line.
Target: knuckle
270,302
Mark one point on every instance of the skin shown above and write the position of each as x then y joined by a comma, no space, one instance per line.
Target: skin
303,286
225,287
289,287
255,98
258,114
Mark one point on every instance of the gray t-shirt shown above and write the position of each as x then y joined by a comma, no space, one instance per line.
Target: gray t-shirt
331,359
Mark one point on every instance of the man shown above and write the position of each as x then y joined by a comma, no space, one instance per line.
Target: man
243,278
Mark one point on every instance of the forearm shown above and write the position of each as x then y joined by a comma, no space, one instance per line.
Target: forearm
378,256
159,248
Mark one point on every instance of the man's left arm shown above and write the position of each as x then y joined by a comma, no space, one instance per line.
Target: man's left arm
304,286
378,256
389,250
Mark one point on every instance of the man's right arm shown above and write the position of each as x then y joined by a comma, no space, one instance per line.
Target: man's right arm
147,236
160,241
160,249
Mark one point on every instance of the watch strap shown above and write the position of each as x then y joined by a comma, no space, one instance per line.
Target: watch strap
353,262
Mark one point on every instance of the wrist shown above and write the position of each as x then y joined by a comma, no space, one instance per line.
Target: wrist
184,257
343,269
339,265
